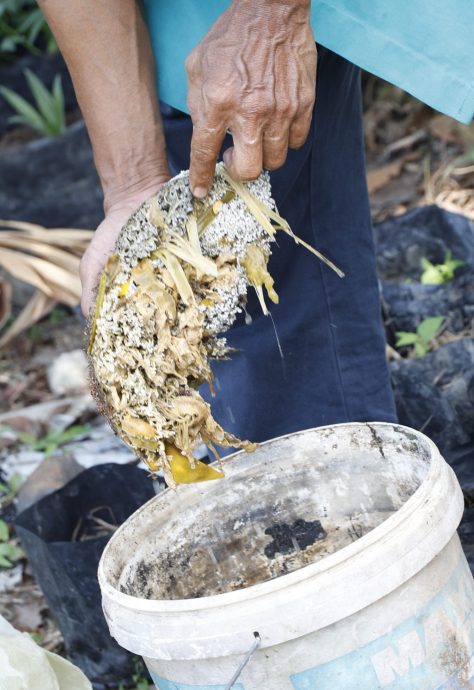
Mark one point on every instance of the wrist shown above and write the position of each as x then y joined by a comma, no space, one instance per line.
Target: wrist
254,6
275,14
141,181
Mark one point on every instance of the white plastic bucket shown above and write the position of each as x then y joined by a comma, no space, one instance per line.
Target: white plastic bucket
377,592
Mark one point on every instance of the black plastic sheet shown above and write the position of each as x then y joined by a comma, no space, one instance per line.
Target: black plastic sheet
52,181
67,570
434,393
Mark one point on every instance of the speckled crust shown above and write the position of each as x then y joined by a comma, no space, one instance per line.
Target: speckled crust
160,314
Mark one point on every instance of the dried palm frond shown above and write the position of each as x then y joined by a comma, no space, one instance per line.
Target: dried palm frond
46,259
451,186
5,301
176,283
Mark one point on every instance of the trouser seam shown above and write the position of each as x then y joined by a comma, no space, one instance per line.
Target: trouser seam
332,335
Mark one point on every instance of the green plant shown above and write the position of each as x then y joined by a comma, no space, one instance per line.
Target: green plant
437,274
58,314
10,553
138,677
421,339
35,334
48,118
37,636
9,490
22,25
53,439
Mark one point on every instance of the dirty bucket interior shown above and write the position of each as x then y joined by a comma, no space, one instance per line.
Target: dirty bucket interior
291,503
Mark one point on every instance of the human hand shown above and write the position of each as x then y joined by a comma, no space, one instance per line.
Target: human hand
253,73
103,243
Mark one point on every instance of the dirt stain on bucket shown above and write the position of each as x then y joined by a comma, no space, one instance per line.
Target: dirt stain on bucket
295,537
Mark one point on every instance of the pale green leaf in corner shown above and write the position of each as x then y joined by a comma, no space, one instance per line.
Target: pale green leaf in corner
404,338
4,533
430,327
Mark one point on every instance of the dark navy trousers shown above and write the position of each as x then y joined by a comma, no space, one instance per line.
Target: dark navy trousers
333,367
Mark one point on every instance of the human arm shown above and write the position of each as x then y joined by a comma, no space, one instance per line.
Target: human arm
254,73
106,47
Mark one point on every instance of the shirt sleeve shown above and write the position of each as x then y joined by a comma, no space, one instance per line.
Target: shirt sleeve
426,47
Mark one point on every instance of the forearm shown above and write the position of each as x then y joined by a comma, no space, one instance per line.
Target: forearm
106,47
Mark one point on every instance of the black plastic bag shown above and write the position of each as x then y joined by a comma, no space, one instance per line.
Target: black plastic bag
57,534
67,193
435,394
429,231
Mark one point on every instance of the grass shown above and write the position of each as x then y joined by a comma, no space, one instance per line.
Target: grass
9,490
10,553
53,440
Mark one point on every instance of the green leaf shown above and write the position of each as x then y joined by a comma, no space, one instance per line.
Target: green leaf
421,348
15,482
4,531
23,108
429,327
51,45
49,117
13,552
457,263
32,25
59,105
73,432
4,488
26,437
9,44
5,563
50,448
425,263
432,276
44,101
37,637
19,120
405,338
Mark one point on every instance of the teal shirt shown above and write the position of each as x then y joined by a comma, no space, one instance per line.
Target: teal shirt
424,46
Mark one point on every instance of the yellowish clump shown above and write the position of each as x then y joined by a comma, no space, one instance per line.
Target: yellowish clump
177,281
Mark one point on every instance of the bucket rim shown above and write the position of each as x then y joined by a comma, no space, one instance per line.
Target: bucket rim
170,606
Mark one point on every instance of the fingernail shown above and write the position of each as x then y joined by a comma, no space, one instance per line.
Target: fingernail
200,192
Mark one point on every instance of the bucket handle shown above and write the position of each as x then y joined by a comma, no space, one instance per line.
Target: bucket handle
244,662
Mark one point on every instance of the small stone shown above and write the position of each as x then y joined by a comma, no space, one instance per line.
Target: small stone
68,374
10,578
52,474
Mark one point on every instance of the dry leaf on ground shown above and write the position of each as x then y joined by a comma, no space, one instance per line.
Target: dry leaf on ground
379,177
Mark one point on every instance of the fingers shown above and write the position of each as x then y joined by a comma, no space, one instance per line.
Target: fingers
301,123
299,131
244,160
101,247
90,271
205,146
275,148
249,154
